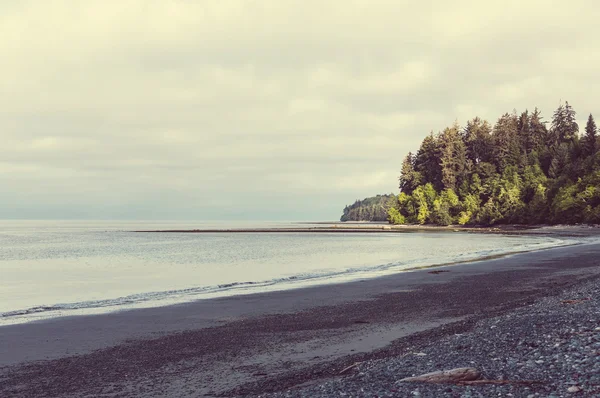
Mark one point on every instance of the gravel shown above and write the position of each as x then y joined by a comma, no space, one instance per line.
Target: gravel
548,349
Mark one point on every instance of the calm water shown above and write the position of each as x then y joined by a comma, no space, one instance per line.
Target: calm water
50,269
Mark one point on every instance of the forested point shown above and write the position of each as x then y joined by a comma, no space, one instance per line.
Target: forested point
370,209
518,171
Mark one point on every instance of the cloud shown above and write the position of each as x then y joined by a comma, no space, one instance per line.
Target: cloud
208,109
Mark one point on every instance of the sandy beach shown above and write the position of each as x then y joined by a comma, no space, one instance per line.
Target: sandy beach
253,344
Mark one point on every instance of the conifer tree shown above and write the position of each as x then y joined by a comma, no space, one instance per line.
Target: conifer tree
427,161
523,131
453,159
517,172
506,142
538,133
589,139
477,137
564,125
409,177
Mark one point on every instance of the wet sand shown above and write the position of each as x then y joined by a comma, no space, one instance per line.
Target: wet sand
246,345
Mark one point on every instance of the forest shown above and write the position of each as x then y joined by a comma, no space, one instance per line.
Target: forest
521,170
370,209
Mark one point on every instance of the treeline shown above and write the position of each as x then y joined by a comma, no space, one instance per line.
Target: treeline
370,209
518,171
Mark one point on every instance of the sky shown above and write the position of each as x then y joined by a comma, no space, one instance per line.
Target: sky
261,110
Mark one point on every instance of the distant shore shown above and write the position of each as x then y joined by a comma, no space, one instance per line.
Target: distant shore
251,344
357,227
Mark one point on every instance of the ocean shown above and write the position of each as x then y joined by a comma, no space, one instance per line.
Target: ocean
60,268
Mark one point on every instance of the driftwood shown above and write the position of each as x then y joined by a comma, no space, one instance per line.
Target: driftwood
355,364
446,376
462,377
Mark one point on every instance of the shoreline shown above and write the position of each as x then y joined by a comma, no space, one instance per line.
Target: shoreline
245,289
251,344
350,228
356,227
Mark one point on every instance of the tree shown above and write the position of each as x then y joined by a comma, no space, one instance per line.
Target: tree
523,132
394,216
572,128
507,150
560,159
444,208
470,207
453,159
564,124
427,161
477,137
538,133
489,213
590,137
508,196
421,201
517,172
370,209
409,177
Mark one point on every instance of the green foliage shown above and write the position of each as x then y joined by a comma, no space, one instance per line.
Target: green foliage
427,161
489,213
537,208
507,149
409,177
423,214
538,133
424,197
464,217
564,125
394,216
478,140
516,172
567,206
370,209
589,140
453,158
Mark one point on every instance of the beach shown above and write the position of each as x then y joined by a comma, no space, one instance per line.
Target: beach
248,345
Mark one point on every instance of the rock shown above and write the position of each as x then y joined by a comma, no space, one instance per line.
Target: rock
574,389
446,376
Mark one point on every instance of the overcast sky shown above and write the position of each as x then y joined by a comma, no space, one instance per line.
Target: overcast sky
265,110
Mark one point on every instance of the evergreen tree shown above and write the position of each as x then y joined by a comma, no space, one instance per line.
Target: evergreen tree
560,159
523,131
370,209
564,124
409,177
477,137
428,160
572,128
517,172
507,150
453,159
589,140
538,133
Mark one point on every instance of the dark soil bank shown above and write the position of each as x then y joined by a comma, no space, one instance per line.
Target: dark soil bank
297,342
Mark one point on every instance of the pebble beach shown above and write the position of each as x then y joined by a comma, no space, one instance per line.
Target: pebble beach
528,324
547,349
